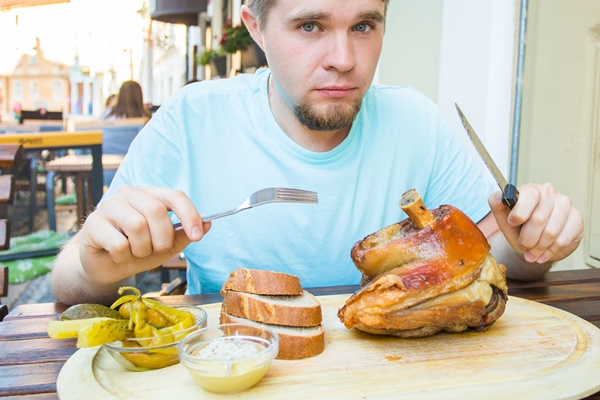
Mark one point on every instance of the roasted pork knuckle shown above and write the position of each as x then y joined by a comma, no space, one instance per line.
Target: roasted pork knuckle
431,272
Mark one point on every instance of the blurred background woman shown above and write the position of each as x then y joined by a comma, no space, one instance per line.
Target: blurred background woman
130,103
111,101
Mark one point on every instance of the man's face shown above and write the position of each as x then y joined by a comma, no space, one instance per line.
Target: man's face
323,55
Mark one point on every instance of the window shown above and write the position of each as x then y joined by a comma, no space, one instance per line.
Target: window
34,90
57,90
17,89
33,59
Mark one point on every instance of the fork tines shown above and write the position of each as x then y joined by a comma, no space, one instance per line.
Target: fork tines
298,195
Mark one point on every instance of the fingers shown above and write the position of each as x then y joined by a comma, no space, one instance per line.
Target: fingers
180,204
539,220
102,244
567,241
501,213
147,225
135,223
543,225
547,222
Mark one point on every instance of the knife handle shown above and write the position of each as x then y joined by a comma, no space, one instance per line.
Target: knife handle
510,196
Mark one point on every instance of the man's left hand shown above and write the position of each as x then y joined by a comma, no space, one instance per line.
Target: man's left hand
543,225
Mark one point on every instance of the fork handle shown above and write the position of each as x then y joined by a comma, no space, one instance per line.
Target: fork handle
210,217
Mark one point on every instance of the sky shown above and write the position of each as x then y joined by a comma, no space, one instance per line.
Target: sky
101,31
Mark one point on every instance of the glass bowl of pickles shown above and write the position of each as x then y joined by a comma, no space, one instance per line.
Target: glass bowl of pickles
139,332
229,358
158,347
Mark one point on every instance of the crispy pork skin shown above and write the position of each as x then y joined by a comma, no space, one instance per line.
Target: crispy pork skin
452,236
429,273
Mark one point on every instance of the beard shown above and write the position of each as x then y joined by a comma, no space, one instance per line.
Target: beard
334,117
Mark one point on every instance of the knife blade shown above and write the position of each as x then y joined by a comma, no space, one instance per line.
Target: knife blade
510,194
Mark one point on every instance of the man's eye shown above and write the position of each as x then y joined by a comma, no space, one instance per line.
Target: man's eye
362,27
309,27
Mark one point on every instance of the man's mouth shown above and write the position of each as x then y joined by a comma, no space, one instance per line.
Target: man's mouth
336,91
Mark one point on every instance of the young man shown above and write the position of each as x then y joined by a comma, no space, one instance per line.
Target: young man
312,121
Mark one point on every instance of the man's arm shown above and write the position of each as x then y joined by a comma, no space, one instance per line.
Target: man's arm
541,229
516,266
129,233
70,285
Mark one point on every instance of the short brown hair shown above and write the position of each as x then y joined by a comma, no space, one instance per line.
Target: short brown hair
261,9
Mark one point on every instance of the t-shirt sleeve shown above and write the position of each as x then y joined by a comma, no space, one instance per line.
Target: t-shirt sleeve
459,176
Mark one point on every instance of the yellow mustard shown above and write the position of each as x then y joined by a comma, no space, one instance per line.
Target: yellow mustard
227,366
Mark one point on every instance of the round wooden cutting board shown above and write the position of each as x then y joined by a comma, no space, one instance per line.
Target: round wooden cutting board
533,351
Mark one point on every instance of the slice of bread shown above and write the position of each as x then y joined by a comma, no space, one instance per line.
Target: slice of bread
294,342
302,310
262,282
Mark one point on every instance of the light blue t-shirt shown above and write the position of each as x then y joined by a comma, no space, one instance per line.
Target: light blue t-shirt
219,142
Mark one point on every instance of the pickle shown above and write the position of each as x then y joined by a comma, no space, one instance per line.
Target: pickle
156,359
82,311
102,332
70,329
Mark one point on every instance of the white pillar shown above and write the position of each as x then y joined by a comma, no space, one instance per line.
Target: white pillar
149,60
87,97
97,101
216,22
202,17
74,97
235,12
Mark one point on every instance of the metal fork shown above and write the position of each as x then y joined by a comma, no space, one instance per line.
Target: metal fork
265,196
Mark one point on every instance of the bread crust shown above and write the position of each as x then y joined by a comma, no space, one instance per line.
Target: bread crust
262,282
304,310
291,346
275,300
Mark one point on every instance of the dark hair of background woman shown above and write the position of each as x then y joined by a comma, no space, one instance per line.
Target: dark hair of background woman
130,102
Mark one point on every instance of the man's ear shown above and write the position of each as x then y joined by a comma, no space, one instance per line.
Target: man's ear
252,24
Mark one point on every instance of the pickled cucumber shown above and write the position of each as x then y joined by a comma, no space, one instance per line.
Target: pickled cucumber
153,360
82,311
70,329
102,332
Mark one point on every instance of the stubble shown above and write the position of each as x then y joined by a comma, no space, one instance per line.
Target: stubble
334,117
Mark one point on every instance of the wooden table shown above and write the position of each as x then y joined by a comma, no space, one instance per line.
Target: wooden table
81,167
30,361
75,163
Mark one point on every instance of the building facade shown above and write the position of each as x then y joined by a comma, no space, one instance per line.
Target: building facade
37,83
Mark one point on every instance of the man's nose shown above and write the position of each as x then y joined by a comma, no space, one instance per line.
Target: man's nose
340,53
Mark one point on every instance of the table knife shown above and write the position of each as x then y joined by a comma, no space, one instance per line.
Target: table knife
510,194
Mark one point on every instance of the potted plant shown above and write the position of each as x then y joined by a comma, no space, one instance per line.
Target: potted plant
237,38
216,59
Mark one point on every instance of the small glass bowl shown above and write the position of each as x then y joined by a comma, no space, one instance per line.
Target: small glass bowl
131,355
229,358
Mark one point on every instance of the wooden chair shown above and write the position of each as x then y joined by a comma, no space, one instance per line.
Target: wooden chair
95,125
45,125
3,291
117,136
35,158
8,126
10,154
177,285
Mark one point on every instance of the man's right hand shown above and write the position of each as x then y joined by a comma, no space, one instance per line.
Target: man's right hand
132,232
